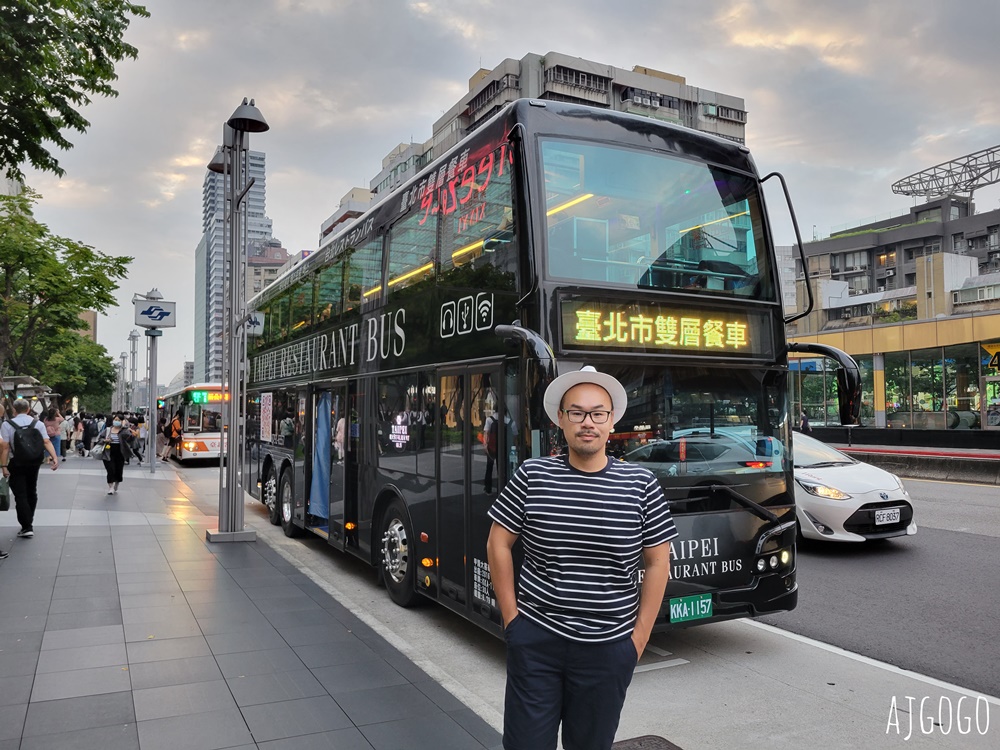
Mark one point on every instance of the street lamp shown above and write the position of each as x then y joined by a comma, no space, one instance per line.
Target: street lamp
230,160
133,339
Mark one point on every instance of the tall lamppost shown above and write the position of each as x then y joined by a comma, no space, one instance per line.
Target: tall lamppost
122,384
230,161
133,339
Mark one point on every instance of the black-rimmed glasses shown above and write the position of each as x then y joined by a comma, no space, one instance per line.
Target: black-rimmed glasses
576,416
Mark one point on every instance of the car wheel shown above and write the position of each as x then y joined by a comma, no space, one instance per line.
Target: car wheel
270,497
398,562
286,504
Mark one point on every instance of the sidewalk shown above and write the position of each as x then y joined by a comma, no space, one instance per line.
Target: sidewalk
121,627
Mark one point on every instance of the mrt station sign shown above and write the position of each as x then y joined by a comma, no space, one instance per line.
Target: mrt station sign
155,314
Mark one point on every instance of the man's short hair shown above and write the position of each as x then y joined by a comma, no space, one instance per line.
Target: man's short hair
21,406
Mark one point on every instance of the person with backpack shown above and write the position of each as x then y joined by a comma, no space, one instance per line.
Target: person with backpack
23,444
172,432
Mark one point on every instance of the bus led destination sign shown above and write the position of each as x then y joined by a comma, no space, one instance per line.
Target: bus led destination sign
660,328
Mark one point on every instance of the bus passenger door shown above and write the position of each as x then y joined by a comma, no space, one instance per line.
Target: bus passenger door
468,477
326,487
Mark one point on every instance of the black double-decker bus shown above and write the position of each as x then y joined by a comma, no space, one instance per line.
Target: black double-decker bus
398,379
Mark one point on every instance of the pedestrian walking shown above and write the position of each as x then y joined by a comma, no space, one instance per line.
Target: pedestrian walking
173,431
4,448
65,436
804,422
115,439
23,443
578,620
53,428
77,442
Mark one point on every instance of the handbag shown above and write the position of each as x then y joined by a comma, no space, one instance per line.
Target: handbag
98,451
4,494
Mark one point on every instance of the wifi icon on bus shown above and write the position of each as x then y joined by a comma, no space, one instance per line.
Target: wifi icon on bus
484,311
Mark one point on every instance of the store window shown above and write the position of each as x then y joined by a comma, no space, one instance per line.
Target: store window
897,389
961,386
926,387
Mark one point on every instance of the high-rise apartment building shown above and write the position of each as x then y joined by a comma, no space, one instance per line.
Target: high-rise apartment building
209,262
557,77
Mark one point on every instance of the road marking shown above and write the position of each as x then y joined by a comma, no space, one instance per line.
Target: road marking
660,664
872,662
945,481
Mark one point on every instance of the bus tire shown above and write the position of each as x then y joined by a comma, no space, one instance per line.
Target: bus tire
397,557
269,491
286,504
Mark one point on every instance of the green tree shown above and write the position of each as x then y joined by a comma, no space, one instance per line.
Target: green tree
55,55
72,365
46,281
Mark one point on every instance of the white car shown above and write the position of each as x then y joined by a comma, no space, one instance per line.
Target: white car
839,499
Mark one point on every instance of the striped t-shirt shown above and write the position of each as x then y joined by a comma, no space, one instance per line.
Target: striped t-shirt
583,535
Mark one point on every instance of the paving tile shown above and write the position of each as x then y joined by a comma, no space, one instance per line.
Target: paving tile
20,588
97,636
76,592
238,622
272,688
145,631
145,577
302,618
472,723
257,639
17,663
289,606
156,614
344,678
155,587
118,737
181,700
251,663
335,652
272,721
174,672
342,739
76,620
11,642
167,649
153,600
268,593
253,578
12,720
206,731
385,704
208,584
56,685
308,635
437,730
81,657
87,604
442,698
14,690
215,598
22,624
74,714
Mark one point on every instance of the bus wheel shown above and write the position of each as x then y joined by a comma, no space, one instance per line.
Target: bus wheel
286,504
271,497
398,564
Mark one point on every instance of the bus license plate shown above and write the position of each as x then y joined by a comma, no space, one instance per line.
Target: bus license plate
889,515
695,607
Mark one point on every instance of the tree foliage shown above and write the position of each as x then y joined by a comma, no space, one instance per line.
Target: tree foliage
55,55
46,281
73,365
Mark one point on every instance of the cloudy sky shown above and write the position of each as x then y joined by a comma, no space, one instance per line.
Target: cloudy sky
843,97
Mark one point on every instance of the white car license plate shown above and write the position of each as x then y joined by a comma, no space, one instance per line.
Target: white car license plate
889,515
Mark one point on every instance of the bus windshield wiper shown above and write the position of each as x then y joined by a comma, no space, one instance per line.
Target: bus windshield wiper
756,508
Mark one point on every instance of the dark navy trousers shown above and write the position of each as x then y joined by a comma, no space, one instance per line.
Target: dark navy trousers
553,680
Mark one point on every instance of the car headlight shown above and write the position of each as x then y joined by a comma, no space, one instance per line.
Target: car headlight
900,483
821,490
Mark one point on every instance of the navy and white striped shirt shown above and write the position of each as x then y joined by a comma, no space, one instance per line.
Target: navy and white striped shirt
583,535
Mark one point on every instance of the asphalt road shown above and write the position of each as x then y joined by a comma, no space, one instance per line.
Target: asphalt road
929,603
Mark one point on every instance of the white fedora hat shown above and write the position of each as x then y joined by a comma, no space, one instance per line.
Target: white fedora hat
587,374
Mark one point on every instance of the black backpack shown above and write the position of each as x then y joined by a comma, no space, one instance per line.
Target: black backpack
28,444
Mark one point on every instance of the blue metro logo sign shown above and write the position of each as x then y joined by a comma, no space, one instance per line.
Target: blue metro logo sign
157,314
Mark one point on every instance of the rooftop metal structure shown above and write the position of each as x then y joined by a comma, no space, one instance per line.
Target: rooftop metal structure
962,175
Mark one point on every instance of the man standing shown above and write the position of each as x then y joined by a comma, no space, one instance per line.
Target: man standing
21,455
576,624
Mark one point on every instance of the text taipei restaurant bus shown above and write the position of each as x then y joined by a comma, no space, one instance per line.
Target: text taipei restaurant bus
398,380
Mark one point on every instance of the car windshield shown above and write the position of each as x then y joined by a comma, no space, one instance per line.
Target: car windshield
808,452
639,218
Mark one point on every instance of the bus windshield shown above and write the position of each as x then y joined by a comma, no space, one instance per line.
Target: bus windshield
643,219
694,427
